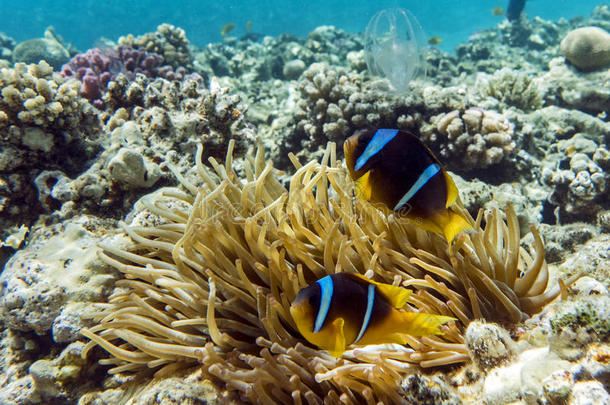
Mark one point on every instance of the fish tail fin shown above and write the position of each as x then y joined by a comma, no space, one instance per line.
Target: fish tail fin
419,324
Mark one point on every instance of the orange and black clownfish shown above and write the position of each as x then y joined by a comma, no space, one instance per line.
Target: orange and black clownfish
396,169
346,308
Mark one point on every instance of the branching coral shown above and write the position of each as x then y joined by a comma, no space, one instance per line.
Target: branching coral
213,283
513,88
168,41
44,125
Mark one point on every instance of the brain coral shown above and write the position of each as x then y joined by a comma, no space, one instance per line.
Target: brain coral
587,48
212,282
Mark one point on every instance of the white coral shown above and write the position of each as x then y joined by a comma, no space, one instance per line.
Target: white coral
480,138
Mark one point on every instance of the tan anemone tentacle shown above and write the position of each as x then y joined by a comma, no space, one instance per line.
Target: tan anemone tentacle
214,281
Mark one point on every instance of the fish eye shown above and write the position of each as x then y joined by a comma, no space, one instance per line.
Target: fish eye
314,299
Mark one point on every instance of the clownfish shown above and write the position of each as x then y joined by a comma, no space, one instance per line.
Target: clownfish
348,309
396,169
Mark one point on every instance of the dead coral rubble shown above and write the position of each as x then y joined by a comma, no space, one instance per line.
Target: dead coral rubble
212,283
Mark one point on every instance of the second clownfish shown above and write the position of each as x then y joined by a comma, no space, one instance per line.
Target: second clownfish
396,169
348,309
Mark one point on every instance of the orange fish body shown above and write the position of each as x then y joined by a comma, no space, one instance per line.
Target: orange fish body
395,169
348,309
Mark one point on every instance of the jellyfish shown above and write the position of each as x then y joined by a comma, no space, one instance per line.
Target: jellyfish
395,47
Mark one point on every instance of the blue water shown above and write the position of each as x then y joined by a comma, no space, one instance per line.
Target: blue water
85,21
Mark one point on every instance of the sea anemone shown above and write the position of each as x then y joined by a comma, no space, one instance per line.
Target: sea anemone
213,282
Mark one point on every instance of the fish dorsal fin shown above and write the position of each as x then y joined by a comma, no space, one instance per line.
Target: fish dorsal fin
364,190
452,191
397,296
339,346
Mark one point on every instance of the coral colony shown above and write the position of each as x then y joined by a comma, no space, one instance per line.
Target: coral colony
181,224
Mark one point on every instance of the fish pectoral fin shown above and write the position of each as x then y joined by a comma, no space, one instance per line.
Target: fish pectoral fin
397,296
449,222
455,226
420,324
364,190
339,346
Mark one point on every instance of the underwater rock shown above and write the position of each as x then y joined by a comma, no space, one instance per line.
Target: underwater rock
419,389
569,88
563,240
589,392
558,386
53,377
7,44
522,379
59,266
575,324
488,344
39,49
587,48
293,69
130,168
20,392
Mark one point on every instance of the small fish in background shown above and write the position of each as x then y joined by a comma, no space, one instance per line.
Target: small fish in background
396,169
347,308
435,40
251,36
227,28
497,11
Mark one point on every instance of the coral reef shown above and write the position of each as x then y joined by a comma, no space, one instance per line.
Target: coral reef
475,137
39,49
580,179
513,88
587,48
45,126
238,251
7,44
156,125
568,88
277,57
168,41
97,67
